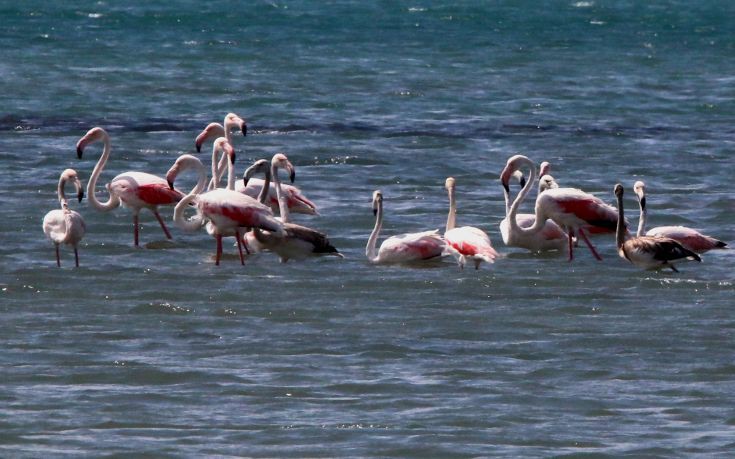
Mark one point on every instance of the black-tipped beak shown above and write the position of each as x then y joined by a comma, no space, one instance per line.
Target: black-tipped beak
523,181
244,130
170,184
506,187
245,181
79,152
292,176
80,195
233,157
643,202
199,147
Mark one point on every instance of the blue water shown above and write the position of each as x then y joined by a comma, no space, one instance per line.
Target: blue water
156,351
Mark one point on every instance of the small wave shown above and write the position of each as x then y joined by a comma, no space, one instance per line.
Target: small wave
160,308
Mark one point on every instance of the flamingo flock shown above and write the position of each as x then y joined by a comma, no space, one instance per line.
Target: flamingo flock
257,212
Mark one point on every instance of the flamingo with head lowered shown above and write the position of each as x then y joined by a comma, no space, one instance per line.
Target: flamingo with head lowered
298,241
65,226
229,211
295,199
648,252
402,248
570,208
466,242
136,190
688,237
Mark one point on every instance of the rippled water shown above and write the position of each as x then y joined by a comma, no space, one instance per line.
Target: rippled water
157,351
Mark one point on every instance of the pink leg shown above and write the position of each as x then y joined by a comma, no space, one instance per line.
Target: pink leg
571,252
589,244
219,249
163,225
135,229
58,259
76,256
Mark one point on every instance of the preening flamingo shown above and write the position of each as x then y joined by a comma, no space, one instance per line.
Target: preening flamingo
295,199
136,190
229,211
65,226
404,247
570,208
466,242
688,237
298,241
514,228
648,252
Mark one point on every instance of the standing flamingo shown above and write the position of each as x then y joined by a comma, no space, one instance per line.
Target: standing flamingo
688,237
570,208
298,241
136,190
296,201
229,211
404,247
466,242
65,226
514,227
648,252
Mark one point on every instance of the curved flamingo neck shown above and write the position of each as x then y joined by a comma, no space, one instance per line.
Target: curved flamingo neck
642,218
187,225
263,196
370,250
452,217
60,192
513,211
113,200
282,204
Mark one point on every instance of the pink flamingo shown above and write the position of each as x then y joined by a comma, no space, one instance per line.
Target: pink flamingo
404,247
229,211
513,228
648,252
688,237
298,241
296,201
136,190
570,208
466,242
65,226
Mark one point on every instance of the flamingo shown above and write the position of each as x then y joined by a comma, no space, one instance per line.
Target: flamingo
136,190
404,247
514,227
65,226
296,201
570,208
688,237
648,252
228,210
298,241
466,242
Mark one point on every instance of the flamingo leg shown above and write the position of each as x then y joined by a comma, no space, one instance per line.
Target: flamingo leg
163,225
135,228
219,249
76,256
571,250
58,259
589,244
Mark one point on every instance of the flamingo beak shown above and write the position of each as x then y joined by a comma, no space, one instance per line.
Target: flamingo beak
170,184
80,195
244,129
643,202
523,181
293,175
245,181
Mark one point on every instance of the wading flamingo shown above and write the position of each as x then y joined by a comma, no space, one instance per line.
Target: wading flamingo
514,227
404,247
65,226
136,190
298,241
688,237
648,252
229,211
296,201
466,242
570,208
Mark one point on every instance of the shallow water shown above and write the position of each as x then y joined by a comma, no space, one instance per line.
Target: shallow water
157,351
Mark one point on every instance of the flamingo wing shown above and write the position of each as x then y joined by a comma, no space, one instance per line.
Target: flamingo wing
688,237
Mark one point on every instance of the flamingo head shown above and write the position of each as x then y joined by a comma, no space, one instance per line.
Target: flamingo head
547,182
182,162
213,130
544,169
221,144
377,201
260,166
640,190
449,183
70,175
619,190
513,164
281,161
232,120
93,135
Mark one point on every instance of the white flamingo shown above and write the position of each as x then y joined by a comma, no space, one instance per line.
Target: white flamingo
229,211
466,242
136,190
403,247
688,237
65,226
648,252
